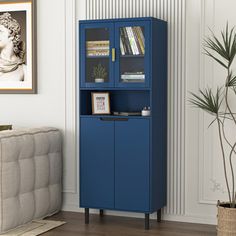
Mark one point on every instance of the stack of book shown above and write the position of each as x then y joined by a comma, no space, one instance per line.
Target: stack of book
133,77
132,41
97,48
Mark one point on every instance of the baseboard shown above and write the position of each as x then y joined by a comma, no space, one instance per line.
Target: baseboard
180,218
211,220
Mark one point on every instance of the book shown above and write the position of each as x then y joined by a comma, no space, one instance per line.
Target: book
98,52
132,76
140,43
132,80
122,47
132,73
122,37
140,32
136,40
131,40
127,43
97,48
127,113
100,42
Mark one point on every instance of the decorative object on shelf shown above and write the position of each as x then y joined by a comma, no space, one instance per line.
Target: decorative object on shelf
218,104
97,48
100,103
132,41
18,65
146,111
127,113
99,73
99,80
133,77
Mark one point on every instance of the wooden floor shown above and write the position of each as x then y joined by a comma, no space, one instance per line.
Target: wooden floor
123,226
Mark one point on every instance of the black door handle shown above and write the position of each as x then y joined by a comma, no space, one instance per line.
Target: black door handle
113,119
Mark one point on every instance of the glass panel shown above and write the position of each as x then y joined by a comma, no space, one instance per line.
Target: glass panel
97,55
132,52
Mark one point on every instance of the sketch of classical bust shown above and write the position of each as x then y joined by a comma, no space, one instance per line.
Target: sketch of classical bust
12,50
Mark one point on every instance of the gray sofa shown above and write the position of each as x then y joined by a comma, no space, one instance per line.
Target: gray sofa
30,175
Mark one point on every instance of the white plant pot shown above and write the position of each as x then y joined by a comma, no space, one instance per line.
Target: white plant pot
99,80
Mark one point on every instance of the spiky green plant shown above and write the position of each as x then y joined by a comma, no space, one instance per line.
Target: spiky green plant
99,71
223,51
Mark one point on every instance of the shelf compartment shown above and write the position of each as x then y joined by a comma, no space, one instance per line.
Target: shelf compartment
132,65
120,101
91,64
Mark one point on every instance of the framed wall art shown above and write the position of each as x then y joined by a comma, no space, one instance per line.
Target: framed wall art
18,46
100,103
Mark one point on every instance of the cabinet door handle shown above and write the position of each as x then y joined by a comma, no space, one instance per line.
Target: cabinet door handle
113,54
113,119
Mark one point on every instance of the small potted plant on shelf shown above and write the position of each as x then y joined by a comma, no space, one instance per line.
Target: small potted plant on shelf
99,73
223,50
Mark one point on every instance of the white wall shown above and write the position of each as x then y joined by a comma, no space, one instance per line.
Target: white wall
205,182
195,179
191,192
54,104
48,106
174,13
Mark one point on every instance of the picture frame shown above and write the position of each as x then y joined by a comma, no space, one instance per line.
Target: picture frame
18,67
100,103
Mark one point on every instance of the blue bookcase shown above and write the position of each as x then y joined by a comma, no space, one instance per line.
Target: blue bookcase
123,157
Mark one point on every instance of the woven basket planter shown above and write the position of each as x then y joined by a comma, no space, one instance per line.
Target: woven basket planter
226,220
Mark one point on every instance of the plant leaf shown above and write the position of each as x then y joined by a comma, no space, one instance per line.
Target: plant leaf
216,59
207,101
225,51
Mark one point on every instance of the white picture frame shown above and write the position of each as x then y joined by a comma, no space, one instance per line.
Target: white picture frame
100,103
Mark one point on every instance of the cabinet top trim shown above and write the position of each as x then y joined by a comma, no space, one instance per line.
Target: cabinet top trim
122,19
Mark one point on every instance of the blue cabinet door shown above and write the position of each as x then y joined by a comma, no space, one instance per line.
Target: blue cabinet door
132,165
132,42
96,43
96,163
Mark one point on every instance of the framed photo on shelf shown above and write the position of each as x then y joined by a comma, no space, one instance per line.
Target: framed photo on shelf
18,46
100,103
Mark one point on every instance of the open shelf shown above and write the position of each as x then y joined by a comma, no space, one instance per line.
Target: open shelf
120,101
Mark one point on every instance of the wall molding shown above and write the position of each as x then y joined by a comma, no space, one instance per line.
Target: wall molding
174,13
70,165
207,181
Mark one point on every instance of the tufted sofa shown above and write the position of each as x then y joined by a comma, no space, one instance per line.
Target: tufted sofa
30,175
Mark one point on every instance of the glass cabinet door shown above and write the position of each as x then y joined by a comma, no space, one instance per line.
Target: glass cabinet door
96,44
132,67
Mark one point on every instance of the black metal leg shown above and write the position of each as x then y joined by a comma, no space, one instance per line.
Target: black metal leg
159,215
86,215
101,213
146,221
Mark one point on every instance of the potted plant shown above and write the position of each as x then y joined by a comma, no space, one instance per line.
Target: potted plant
222,50
99,73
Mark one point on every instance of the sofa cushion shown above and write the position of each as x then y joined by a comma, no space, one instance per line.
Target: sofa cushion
30,175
